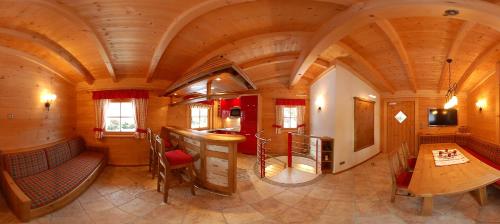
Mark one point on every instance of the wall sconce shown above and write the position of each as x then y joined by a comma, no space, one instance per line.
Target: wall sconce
481,104
320,102
48,98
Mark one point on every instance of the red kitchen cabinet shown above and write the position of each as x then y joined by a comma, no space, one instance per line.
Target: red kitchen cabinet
248,122
226,105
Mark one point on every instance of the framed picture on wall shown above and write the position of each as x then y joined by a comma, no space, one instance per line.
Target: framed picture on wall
364,123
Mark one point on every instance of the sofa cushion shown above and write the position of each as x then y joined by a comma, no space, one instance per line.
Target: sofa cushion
483,159
76,146
52,184
24,164
58,154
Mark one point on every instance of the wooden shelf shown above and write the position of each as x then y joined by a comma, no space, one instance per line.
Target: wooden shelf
327,148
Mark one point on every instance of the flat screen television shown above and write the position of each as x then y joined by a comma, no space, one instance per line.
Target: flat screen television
443,117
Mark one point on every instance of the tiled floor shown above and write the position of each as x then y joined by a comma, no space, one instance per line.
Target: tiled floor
361,195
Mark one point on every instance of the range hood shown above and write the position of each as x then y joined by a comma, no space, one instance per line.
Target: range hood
216,78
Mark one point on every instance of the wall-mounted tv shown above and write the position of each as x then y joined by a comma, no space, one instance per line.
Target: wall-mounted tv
443,117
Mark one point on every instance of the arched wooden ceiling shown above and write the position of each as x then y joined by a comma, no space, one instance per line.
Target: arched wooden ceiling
395,45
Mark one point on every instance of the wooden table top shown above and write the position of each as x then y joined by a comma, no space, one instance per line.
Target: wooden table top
430,180
200,135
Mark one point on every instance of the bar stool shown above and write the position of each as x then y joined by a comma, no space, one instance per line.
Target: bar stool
171,165
152,151
400,176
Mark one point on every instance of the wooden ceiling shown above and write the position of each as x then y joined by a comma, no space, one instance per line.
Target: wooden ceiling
395,45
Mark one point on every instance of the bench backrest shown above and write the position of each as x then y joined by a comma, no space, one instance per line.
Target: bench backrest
30,162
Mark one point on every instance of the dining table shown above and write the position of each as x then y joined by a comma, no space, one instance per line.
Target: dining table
429,180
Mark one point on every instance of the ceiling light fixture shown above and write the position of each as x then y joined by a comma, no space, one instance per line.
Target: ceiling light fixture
217,79
451,95
451,12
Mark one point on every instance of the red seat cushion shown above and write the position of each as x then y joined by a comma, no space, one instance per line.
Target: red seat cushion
403,179
178,157
482,158
412,162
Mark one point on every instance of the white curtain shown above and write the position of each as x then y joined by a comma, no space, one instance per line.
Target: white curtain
301,111
201,106
141,112
100,106
279,118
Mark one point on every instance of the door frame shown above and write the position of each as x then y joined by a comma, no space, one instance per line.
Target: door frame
384,118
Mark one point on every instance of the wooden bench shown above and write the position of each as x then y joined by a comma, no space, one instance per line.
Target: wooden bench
40,180
487,152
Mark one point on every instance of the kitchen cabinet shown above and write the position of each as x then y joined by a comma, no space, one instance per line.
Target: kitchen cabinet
248,122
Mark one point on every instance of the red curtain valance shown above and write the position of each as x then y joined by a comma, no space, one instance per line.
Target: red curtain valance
120,94
291,102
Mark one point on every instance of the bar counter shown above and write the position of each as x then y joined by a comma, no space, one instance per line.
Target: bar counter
216,167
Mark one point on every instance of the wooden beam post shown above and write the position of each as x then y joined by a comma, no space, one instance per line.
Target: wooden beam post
365,63
395,39
482,57
455,46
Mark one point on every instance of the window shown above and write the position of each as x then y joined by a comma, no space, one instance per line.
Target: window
199,117
120,117
290,117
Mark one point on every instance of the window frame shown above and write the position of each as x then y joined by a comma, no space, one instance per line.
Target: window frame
120,133
296,118
199,118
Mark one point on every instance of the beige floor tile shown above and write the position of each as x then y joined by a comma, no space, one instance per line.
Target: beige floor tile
138,207
288,197
119,198
270,207
97,205
110,216
242,214
202,216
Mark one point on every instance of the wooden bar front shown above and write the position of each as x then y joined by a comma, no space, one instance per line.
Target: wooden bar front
216,168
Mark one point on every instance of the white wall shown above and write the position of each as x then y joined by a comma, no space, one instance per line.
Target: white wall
335,91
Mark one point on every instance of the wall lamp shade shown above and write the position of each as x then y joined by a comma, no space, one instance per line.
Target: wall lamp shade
48,99
480,104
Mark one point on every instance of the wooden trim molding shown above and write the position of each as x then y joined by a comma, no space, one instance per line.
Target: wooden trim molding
270,60
52,46
367,12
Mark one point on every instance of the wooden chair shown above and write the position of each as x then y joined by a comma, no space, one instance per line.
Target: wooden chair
409,160
171,166
152,152
399,175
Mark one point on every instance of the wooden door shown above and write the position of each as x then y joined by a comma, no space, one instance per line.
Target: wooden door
402,130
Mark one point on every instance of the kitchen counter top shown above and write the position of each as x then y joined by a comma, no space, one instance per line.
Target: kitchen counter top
206,135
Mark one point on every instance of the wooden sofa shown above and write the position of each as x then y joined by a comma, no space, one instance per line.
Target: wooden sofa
487,152
40,180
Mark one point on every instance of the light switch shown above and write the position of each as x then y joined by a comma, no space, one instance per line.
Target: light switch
10,116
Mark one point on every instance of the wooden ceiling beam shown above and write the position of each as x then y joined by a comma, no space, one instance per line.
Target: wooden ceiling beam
481,58
71,15
52,46
179,23
365,63
342,63
270,59
322,63
35,60
395,39
366,12
455,46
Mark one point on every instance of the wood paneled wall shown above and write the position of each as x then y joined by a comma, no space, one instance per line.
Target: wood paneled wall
485,124
122,150
422,105
24,121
